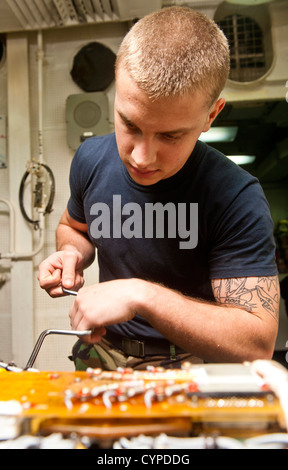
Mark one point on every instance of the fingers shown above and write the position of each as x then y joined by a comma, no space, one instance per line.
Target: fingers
103,304
80,322
49,273
51,283
60,269
95,337
49,276
70,276
50,279
77,321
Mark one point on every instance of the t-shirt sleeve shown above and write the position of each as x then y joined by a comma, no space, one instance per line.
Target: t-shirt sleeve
243,241
75,204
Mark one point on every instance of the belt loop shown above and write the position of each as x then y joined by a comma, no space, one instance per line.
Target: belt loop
133,347
172,352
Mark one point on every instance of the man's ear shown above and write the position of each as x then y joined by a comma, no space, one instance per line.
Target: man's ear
213,113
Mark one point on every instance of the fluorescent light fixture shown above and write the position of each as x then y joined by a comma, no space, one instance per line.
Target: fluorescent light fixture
249,2
219,134
242,159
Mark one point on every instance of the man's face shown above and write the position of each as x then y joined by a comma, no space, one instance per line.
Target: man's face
156,138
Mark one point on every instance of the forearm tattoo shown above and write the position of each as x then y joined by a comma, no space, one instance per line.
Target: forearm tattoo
241,292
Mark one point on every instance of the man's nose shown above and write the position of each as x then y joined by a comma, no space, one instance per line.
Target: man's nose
144,154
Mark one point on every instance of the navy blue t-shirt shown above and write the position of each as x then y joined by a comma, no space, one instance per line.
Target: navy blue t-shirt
209,221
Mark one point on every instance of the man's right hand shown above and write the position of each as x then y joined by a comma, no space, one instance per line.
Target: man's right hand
62,269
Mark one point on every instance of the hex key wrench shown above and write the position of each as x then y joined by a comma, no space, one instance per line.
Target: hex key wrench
70,292
45,333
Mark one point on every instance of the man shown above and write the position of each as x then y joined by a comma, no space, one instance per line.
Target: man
184,237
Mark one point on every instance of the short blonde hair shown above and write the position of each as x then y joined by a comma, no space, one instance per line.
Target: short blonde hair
176,51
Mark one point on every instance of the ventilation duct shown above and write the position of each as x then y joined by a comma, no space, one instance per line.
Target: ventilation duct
41,14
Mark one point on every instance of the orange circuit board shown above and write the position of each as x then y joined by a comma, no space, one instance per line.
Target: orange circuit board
108,405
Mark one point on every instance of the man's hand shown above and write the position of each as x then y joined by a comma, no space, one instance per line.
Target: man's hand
103,304
63,268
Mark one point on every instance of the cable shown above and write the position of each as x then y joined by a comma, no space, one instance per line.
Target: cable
49,207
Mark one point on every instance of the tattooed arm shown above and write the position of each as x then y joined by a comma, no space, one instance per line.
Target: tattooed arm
253,294
240,326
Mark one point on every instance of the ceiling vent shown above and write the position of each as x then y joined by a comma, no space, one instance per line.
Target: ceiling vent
41,14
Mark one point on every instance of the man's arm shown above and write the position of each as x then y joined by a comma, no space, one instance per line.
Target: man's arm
250,294
75,252
72,235
240,326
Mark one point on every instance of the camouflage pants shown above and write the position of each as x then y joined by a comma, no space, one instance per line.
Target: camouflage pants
105,356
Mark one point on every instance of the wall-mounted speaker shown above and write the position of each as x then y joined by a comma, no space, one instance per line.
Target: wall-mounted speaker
87,115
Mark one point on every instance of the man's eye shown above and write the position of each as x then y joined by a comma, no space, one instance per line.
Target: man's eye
170,137
130,126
